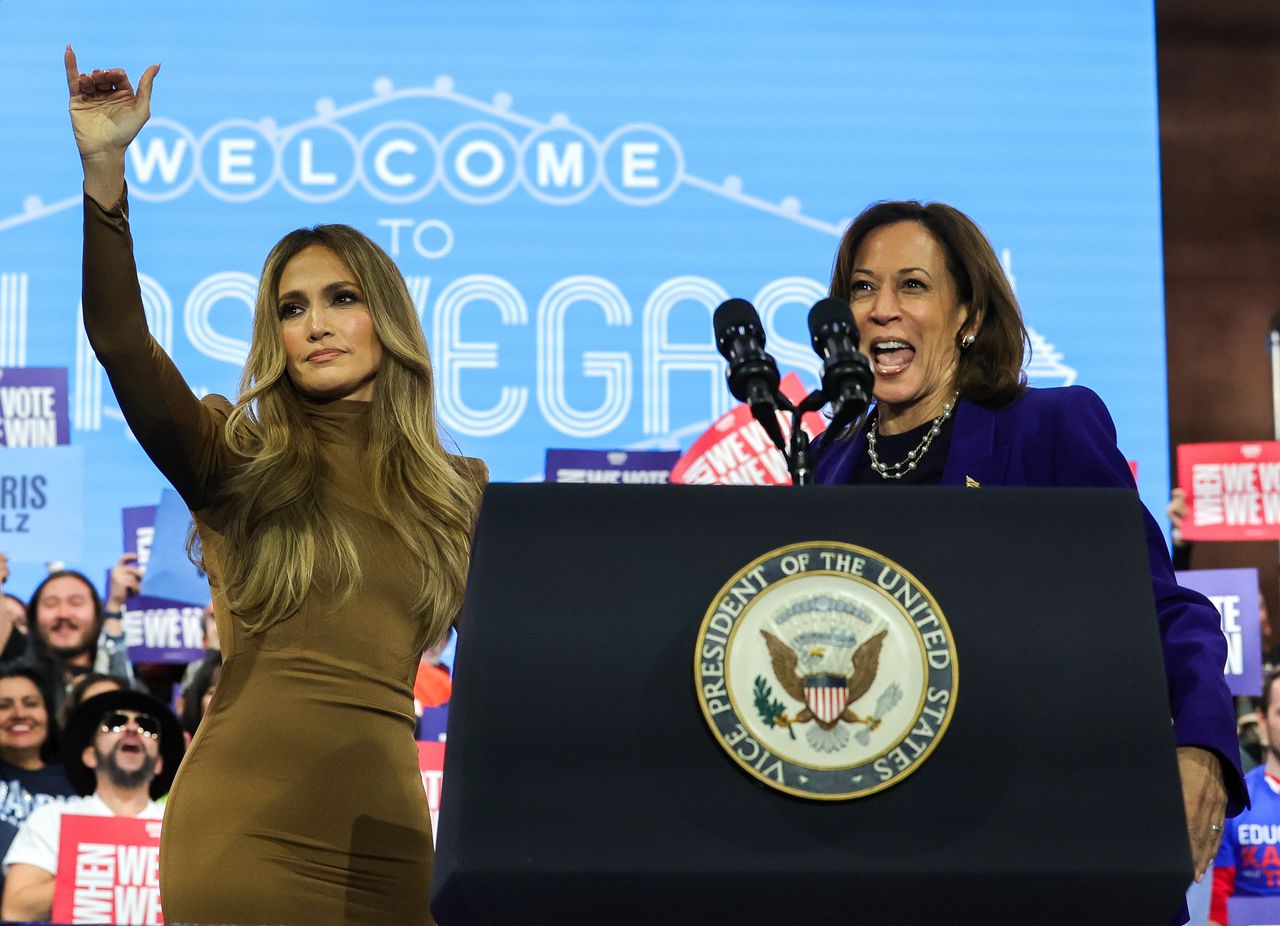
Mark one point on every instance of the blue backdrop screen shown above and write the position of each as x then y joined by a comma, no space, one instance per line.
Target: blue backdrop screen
571,188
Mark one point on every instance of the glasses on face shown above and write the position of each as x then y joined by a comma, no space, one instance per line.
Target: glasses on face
115,721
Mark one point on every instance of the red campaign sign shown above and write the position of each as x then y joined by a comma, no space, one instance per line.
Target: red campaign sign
1233,490
736,451
431,765
108,871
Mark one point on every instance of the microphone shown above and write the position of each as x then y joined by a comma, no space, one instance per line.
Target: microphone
847,380
753,375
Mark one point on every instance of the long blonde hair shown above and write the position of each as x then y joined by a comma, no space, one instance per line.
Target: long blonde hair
277,531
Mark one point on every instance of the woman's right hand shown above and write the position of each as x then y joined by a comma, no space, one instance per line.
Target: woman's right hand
106,114
1177,512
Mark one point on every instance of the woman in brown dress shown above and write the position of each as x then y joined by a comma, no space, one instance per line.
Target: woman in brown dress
335,531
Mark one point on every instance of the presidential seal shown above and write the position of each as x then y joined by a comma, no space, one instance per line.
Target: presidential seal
826,670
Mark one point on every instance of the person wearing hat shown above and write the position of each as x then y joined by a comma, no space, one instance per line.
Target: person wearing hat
120,751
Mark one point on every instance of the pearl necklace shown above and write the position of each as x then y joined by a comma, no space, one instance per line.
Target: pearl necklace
898,470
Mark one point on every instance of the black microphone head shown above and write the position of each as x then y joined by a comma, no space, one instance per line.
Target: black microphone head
735,313
736,317
1275,322
829,316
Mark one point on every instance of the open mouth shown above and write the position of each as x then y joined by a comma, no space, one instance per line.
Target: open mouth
18,728
891,356
130,749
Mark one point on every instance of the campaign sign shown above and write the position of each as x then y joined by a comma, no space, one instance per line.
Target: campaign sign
612,467
1234,592
139,524
159,630
736,451
433,723
1253,911
1233,490
42,504
431,765
170,574
33,407
108,871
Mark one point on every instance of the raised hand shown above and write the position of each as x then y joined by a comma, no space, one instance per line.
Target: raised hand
1177,512
106,115
126,581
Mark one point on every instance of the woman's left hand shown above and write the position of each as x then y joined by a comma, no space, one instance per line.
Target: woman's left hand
1204,796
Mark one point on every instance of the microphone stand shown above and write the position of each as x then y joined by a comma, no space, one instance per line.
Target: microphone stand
796,449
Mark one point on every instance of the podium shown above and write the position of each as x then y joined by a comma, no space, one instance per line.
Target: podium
583,785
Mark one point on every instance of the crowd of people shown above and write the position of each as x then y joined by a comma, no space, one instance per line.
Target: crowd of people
82,728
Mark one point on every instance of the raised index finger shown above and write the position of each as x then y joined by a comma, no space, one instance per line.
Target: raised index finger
73,72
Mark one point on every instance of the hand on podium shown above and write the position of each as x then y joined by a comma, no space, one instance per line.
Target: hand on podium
1204,796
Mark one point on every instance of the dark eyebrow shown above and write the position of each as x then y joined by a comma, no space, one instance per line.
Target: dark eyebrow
330,288
898,273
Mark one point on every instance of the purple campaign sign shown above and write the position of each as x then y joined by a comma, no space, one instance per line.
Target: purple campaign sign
433,725
612,467
139,528
1234,592
1253,911
159,630
170,574
33,407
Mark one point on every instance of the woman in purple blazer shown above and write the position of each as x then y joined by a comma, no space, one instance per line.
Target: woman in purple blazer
944,335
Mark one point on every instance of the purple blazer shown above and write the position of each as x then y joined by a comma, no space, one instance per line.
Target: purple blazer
1065,437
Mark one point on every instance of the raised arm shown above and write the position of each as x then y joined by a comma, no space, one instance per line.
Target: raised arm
106,115
180,434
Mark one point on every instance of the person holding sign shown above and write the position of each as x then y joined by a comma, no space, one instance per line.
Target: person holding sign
119,750
941,327
73,633
335,529
13,619
1248,862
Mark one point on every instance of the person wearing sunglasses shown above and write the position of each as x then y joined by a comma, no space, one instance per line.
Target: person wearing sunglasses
120,750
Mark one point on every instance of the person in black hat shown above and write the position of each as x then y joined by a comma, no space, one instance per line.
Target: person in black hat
120,751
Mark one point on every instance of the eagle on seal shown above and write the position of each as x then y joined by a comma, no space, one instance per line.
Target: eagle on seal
863,666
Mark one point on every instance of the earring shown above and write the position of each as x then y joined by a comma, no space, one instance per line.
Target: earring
966,342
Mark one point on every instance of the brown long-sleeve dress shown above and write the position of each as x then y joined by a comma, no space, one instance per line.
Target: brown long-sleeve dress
299,800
